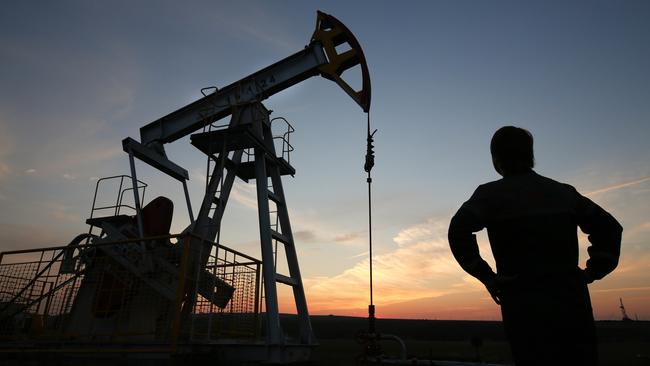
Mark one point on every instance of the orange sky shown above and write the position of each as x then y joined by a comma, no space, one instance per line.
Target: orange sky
421,279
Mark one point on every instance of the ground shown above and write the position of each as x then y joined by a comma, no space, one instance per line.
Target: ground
621,343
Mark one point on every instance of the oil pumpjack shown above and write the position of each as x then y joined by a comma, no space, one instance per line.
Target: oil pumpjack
133,288
624,316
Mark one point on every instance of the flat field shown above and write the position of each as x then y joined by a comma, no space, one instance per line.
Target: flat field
620,343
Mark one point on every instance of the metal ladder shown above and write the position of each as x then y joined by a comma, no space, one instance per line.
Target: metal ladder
250,127
207,226
270,235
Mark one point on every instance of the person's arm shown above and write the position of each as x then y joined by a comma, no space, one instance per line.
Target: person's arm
462,241
604,235
464,247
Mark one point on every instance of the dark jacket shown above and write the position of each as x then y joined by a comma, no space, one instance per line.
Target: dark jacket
532,226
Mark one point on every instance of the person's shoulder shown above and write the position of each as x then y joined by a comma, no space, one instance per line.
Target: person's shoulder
487,189
549,180
557,184
490,185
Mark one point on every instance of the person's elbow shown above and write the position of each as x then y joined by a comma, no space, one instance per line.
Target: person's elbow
463,222
454,229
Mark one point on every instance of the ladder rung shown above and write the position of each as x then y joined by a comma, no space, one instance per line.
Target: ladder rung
285,279
279,237
275,198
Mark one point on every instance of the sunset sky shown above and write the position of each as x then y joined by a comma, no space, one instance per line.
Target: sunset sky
76,77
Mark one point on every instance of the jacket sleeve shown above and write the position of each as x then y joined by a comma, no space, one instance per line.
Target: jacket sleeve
462,240
604,234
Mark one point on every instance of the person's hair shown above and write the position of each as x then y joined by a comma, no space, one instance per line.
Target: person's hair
512,150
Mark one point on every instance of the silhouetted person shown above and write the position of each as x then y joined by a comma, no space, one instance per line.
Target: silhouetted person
532,225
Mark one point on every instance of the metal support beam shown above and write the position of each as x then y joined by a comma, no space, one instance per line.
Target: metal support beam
189,203
154,159
136,195
274,333
295,279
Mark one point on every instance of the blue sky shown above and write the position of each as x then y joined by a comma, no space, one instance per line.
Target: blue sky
76,77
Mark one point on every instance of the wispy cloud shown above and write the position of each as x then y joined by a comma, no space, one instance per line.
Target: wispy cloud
421,266
324,231
245,194
72,130
304,236
62,213
74,155
618,186
242,193
349,237
619,289
646,226
433,229
362,254
4,170
250,25
75,161
25,236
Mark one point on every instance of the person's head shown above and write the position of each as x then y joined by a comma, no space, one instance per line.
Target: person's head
512,150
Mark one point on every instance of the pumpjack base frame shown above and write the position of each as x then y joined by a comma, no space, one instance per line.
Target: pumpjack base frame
228,352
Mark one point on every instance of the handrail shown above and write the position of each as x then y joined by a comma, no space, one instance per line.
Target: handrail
130,240
228,286
287,148
120,195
